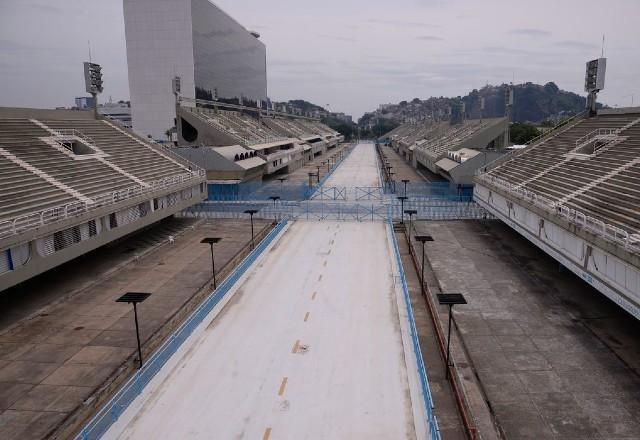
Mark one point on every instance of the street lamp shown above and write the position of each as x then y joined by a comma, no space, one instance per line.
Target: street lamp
405,181
391,181
251,212
423,239
275,198
450,299
411,213
402,199
211,241
135,298
328,164
318,172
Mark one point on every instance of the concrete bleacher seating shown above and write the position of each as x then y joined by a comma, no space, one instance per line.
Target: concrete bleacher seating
69,185
605,186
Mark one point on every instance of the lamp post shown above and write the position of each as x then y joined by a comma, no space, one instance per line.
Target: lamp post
275,199
402,199
310,181
328,165
251,212
450,299
411,213
423,239
392,182
318,172
135,298
405,181
281,179
211,241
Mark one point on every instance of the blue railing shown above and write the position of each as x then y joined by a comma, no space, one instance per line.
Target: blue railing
110,412
434,431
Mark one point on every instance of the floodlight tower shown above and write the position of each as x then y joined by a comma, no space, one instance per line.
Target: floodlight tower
93,82
594,82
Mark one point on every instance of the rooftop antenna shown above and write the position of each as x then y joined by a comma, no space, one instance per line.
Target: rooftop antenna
602,54
89,44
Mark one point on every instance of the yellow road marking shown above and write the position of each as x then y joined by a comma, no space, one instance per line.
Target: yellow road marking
306,316
267,433
295,346
283,385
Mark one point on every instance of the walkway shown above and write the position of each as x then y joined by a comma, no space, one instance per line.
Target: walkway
307,347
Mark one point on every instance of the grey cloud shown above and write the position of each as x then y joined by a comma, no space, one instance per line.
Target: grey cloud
338,38
429,38
531,32
576,45
401,23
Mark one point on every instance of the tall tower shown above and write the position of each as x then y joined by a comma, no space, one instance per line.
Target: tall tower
594,82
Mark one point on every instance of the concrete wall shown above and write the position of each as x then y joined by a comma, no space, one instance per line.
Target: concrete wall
615,277
159,47
38,264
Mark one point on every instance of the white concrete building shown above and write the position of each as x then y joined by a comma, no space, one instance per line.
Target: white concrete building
200,43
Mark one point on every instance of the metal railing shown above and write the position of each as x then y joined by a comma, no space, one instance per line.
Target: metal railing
114,408
596,226
432,423
34,220
555,131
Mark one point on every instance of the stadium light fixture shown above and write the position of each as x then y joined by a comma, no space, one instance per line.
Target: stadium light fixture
423,239
450,299
135,298
251,212
211,241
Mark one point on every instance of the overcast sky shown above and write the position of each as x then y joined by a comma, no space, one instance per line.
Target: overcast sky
351,54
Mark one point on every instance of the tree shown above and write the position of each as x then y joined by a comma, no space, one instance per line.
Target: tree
520,134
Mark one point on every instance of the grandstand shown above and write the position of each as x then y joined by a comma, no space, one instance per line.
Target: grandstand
281,143
428,144
70,185
576,194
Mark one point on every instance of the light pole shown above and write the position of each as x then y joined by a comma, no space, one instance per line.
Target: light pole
135,298
423,239
318,172
402,199
328,164
405,181
392,182
450,299
251,212
275,198
211,241
411,213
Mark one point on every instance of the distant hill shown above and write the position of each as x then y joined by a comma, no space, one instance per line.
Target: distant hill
533,103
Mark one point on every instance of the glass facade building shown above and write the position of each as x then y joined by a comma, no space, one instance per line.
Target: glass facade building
214,56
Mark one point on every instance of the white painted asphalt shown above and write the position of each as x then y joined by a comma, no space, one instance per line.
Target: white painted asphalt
310,346
359,169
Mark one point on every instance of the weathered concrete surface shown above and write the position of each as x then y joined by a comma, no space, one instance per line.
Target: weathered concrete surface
404,170
310,345
446,410
555,358
301,175
63,334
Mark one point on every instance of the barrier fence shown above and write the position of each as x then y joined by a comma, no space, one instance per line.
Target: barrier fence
432,423
113,409
432,209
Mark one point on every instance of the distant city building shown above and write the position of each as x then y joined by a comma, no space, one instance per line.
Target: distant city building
214,56
85,102
120,112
